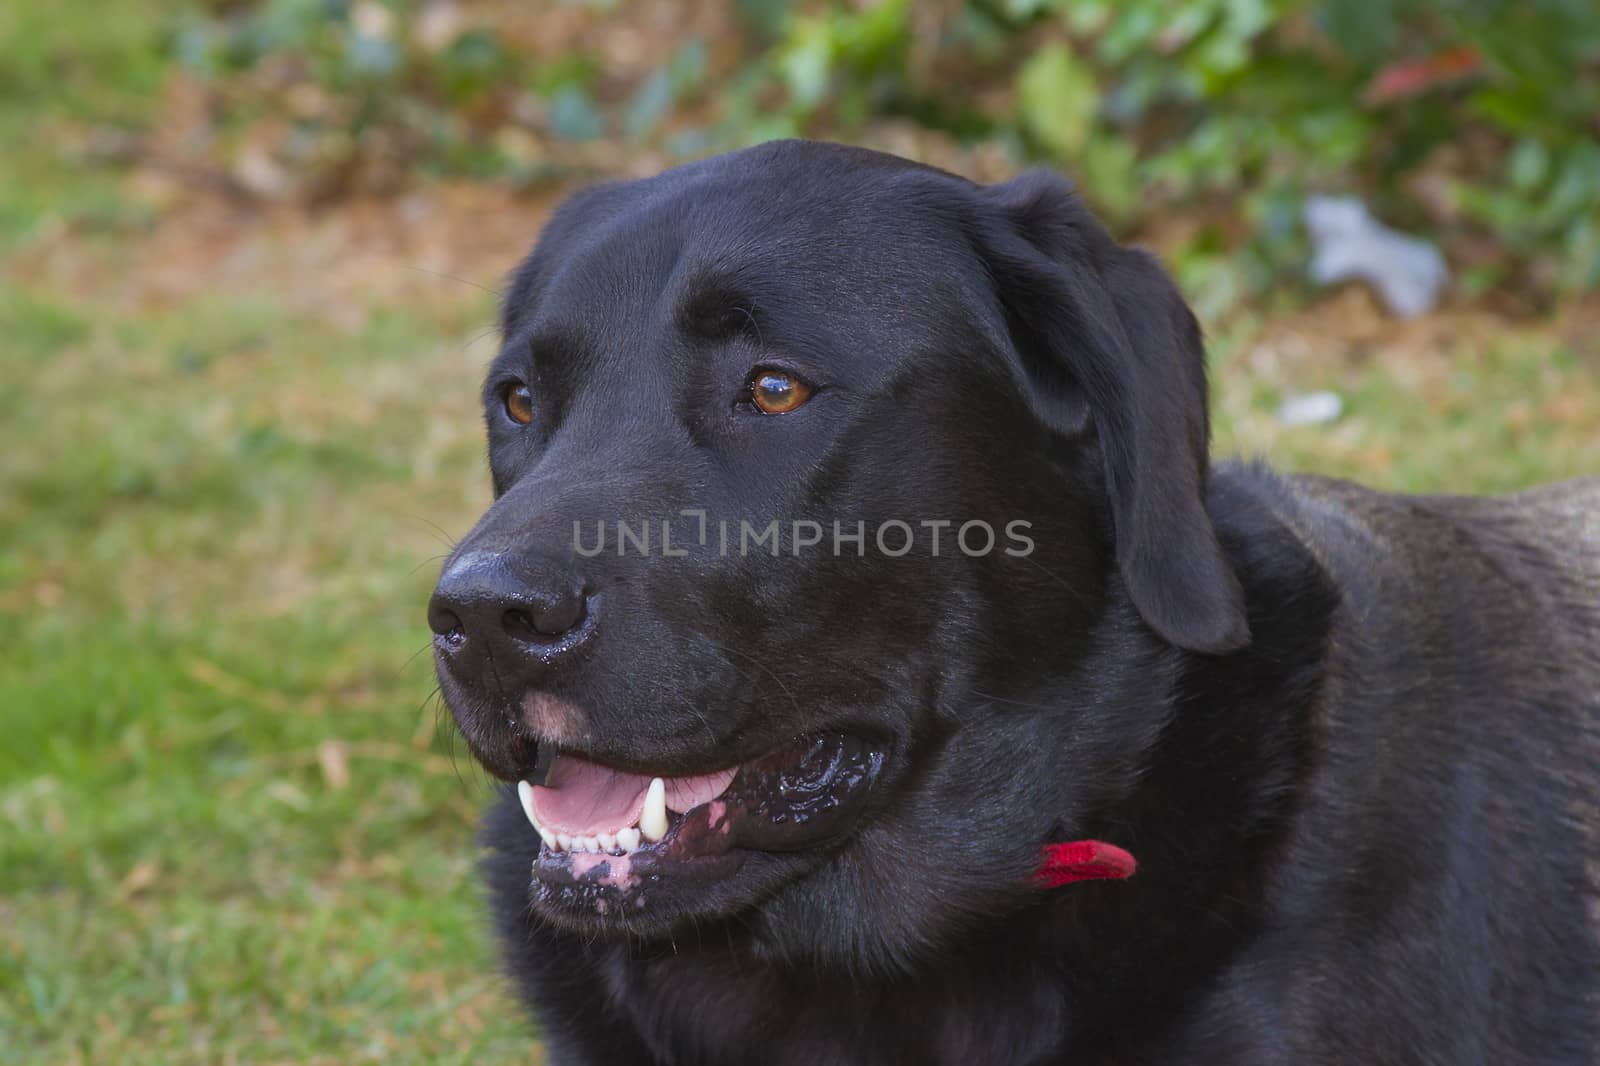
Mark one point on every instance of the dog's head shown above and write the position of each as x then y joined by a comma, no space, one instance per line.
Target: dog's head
825,484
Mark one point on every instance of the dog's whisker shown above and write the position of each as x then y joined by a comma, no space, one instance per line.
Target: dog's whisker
487,331
430,559
749,313
711,732
425,649
1061,582
729,649
444,536
1014,703
452,277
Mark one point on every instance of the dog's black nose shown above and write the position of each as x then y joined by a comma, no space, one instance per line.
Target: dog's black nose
522,616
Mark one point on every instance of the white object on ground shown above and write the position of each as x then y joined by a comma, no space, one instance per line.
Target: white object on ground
1311,408
1407,272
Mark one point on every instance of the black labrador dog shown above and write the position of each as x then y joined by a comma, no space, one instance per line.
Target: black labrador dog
881,672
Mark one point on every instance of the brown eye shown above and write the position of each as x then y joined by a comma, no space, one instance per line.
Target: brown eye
519,403
776,393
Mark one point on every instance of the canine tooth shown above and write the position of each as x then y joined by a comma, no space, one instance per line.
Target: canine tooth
563,842
549,839
653,819
607,842
525,794
628,839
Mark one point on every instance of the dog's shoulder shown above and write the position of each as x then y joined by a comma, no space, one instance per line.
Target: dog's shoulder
1537,550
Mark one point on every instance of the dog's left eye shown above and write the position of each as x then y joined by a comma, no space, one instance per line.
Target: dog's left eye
519,402
775,392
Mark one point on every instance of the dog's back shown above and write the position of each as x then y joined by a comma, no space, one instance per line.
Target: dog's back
1451,835
1515,578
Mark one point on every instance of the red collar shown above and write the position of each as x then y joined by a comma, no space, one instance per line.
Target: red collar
1082,860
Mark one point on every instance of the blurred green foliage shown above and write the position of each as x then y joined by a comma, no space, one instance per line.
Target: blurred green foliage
1470,120
1475,115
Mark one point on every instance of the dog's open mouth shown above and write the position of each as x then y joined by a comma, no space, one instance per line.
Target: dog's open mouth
608,828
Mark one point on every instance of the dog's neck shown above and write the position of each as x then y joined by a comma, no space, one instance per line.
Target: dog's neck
1218,794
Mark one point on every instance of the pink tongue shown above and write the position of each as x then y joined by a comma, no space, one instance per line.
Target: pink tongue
584,798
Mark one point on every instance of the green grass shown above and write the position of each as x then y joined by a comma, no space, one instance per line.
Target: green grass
227,823
230,827
1484,414
1490,416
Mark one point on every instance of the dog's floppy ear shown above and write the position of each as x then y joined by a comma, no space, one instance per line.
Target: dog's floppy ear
1105,339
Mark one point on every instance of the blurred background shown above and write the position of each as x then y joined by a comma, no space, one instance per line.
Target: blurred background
248,259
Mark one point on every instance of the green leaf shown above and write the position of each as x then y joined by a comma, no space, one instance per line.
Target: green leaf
1513,108
1528,165
574,116
1579,268
649,104
687,67
1022,10
1085,17
1106,169
1576,192
1057,99
807,62
765,17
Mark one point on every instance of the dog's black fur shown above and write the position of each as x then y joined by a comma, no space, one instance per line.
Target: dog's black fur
1352,739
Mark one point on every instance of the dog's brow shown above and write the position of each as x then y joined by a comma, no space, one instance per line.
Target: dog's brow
547,344
545,355
716,306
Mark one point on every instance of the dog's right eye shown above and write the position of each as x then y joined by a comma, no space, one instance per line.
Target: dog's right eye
776,392
518,402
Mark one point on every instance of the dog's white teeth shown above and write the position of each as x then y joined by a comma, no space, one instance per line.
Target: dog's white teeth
651,828
525,794
619,843
653,819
